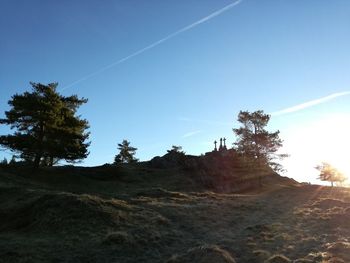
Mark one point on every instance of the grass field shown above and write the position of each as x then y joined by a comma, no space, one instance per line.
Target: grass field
140,214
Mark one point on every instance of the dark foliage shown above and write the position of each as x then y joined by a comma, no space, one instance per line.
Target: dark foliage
176,149
47,128
255,143
126,153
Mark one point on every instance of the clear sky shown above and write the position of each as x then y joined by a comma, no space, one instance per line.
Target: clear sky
190,76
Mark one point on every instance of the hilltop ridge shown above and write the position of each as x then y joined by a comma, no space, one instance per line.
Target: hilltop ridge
167,210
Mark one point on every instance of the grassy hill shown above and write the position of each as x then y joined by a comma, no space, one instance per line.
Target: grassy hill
161,211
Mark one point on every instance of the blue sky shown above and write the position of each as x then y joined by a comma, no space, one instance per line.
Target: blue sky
187,90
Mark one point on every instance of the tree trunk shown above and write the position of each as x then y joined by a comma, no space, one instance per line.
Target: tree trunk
39,154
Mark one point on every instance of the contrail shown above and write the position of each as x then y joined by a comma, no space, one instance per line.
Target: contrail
190,134
310,103
186,28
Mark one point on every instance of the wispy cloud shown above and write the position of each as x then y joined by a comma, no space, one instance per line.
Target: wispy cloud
190,134
208,122
310,103
142,50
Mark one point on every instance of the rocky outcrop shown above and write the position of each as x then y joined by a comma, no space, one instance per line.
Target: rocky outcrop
170,160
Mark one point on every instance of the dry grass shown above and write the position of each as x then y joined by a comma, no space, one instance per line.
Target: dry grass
204,254
150,220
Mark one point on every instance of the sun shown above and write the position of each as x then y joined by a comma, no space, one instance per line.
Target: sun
323,140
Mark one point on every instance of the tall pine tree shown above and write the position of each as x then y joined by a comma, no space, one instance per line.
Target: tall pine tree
46,126
256,143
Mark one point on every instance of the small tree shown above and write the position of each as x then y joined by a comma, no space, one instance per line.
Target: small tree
257,144
176,149
330,174
126,154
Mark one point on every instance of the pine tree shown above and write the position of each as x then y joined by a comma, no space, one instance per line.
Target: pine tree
256,143
126,153
47,128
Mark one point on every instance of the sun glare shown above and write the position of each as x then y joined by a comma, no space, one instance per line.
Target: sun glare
324,140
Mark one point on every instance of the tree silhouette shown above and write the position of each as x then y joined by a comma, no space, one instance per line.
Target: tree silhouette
47,128
126,153
12,161
256,143
4,162
176,149
330,174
